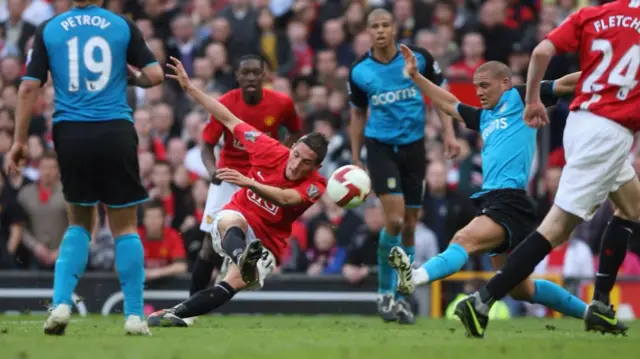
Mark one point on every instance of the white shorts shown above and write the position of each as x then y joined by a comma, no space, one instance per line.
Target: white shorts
597,153
266,264
217,197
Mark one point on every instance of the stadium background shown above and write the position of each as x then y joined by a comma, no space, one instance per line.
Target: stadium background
309,46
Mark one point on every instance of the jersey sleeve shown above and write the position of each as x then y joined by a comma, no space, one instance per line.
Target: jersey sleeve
255,142
292,121
212,131
138,53
312,189
357,96
37,58
565,38
431,69
547,95
470,115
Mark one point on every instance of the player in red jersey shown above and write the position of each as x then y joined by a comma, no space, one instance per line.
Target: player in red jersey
264,109
250,231
597,140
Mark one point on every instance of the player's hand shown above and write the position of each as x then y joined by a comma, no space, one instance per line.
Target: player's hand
16,158
180,73
233,177
410,63
452,147
535,115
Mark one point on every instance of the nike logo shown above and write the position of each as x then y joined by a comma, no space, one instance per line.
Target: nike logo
598,274
628,229
612,321
476,323
260,175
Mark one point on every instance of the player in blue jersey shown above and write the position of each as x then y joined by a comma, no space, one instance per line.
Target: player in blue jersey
87,50
505,213
394,139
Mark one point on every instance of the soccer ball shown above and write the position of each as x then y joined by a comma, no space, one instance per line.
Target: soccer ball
349,186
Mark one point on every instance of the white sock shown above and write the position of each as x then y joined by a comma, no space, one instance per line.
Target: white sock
420,276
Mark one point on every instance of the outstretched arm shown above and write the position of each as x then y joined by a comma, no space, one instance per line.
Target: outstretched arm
441,98
213,106
566,85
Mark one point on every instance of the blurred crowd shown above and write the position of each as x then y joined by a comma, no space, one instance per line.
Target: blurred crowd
309,47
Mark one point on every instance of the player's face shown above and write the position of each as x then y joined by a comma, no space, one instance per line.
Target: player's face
302,161
489,88
382,30
250,76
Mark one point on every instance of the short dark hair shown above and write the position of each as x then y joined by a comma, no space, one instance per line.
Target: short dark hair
318,143
155,204
255,57
379,12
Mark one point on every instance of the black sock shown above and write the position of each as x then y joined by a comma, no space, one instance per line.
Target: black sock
613,249
205,301
234,243
520,264
201,275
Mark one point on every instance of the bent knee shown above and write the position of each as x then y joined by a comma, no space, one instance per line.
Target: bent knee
230,219
394,224
468,241
630,213
523,291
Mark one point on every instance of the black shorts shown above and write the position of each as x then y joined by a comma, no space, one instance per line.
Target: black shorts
397,169
99,163
514,210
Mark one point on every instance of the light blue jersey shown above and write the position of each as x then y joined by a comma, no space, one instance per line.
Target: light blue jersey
509,144
87,50
397,109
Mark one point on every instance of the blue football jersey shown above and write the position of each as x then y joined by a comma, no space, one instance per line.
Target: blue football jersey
509,144
87,49
397,108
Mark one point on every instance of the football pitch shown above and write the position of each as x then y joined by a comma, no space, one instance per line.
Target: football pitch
321,337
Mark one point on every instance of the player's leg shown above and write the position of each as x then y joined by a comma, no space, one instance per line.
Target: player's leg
412,173
122,191
385,179
613,248
547,293
78,181
596,150
228,225
208,259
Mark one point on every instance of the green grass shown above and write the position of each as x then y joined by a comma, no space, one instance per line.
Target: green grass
321,337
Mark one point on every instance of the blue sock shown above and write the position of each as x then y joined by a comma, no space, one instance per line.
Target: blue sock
386,274
411,252
446,263
130,266
72,260
557,298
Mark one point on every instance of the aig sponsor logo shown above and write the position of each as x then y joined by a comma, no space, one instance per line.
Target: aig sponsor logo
260,202
387,98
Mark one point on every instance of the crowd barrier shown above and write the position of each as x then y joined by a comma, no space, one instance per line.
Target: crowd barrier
99,293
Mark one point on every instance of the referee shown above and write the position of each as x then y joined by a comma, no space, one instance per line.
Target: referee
87,50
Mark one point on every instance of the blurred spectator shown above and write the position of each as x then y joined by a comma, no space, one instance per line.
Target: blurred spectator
242,18
472,58
15,29
274,44
46,213
445,212
175,200
164,254
362,257
325,257
183,44
13,254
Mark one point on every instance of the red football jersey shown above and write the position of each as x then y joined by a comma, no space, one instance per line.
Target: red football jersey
270,223
607,39
162,252
274,110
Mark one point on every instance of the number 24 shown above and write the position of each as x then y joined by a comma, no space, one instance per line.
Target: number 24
102,68
623,73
